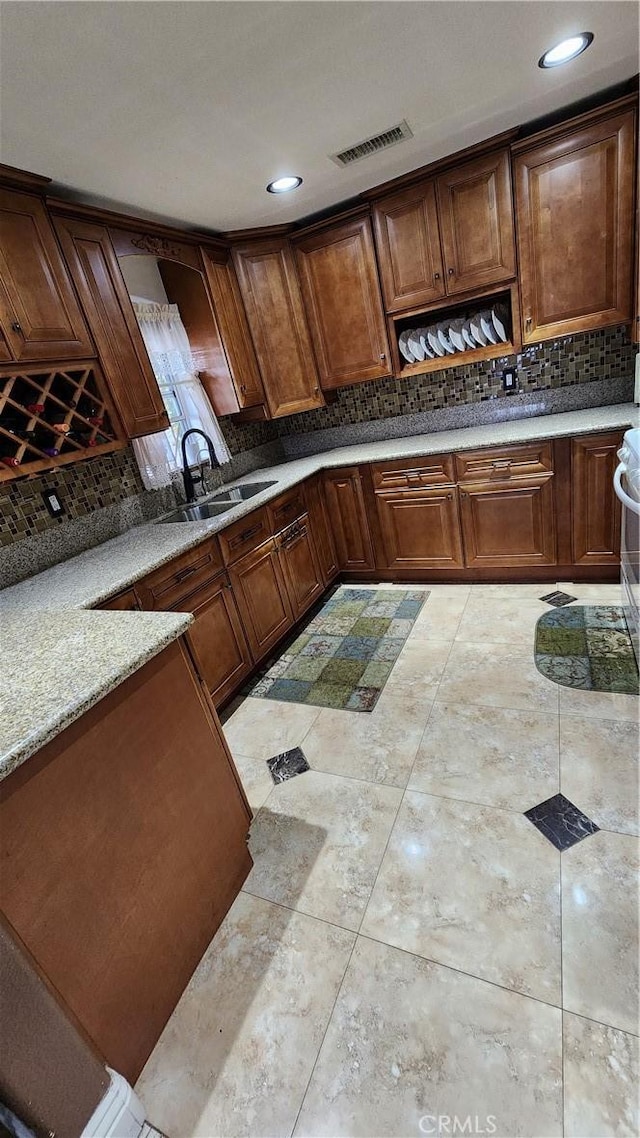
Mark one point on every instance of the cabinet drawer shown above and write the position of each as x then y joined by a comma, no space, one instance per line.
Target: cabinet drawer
286,509
410,473
503,463
244,535
171,584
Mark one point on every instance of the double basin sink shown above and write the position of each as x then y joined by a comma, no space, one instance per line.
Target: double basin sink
219,504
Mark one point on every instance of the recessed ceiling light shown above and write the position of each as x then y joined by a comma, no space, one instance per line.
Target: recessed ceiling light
566,50
283,185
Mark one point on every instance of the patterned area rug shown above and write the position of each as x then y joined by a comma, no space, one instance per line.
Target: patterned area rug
345,654
587,646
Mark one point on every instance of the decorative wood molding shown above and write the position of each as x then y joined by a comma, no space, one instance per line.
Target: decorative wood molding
23,179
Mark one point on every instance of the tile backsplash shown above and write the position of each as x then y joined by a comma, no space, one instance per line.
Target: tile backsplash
104,496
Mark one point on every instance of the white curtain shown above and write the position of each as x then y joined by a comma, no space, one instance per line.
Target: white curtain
167,344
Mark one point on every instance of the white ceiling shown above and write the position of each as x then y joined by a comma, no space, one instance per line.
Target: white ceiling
187,110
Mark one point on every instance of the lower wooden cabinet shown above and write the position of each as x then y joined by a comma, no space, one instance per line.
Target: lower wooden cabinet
509,524
261,593
595,508
348,513
300,566
420,529
217,639
321,529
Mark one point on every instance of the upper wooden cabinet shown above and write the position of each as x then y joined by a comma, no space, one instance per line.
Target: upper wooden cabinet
273,303
574,198
237,345
340,287
39,313
96,273
447,235
476,223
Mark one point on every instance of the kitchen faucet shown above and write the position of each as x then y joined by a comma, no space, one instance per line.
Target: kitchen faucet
188,478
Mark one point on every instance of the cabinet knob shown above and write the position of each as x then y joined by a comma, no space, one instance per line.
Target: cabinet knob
451,272
528,324
243,388
383,356
436,276
16,326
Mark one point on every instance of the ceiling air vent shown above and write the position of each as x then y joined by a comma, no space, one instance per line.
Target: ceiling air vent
372,145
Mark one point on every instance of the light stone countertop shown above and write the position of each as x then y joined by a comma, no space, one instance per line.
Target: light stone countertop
55,666
67,659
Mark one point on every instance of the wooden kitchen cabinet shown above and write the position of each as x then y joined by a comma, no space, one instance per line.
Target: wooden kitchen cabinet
347,510
447,235
39,312
341,293
475,209
574,191
509,523
217,638
300,566
261,593
595,506
321,529
96,274
420,528
273,303
244,381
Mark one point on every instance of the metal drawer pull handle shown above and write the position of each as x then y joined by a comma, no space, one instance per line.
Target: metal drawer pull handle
16,326
186,572
247,533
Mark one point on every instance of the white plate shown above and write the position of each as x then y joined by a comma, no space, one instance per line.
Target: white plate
468,335
477,332
434,342
426,346
499,317
443,336
456,337
402,344
488,327
414,345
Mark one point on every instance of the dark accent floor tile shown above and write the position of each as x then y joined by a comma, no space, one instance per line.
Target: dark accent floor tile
558,598
561,822
287,765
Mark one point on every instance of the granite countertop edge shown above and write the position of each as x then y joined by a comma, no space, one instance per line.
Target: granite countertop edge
89,579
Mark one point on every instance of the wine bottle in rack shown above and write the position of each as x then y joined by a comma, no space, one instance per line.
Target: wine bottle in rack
34,407
57,421
89,411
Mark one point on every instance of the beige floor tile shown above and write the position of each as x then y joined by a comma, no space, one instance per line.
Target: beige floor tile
531,592
599,704
378,746
474,888
261,728
255,778
490,755
420,664
439,617
601,1072
410,1042
591,592
318,843
600,929
599,770
496,675
237,1053
496,620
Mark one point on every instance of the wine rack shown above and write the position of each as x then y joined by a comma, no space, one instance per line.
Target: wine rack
52,416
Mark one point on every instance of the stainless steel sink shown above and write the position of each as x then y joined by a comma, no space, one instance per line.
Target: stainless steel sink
241,493
219,504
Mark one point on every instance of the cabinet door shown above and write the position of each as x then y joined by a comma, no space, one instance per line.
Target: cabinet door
39,312
271,294
321,529
96,273
126,601
574,197
421,528
261,593
342,297
347,509
217,639
512,524
595,506
234,331
408,244
300,566
476,223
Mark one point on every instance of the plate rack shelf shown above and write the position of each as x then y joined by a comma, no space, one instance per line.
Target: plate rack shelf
51,416
399,322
